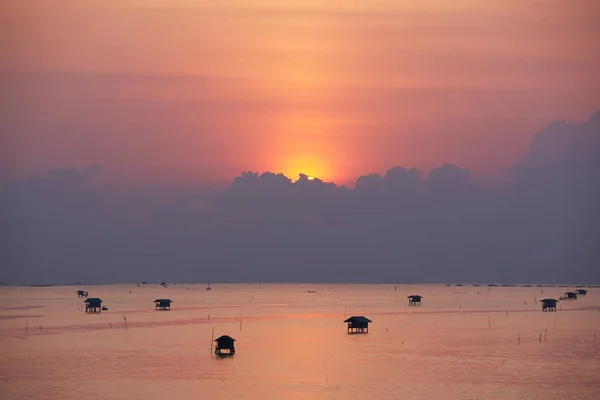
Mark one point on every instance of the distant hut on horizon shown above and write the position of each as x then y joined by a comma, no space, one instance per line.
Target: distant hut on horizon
225,346
82,293
581,292
163,284
414,300
163,304
358,324
549,304
208,288
569,296
93,305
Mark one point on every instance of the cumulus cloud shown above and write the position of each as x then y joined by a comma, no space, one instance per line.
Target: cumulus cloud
563,154
402,226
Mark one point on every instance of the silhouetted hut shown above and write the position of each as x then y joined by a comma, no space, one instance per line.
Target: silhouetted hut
163,284
549,304
581,292
358,324
414,300
163,304
569,296
225,346
93,305
82,293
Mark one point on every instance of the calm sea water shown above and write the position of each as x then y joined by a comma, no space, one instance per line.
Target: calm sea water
462,343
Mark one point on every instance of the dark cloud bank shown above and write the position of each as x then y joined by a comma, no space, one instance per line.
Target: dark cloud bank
400,227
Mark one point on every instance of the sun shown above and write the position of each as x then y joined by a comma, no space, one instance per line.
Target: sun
312,167
297,178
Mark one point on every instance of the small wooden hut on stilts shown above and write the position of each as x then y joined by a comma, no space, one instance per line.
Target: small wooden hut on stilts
358,324
414,300
93,305
569,296
163,304
549,304
225,346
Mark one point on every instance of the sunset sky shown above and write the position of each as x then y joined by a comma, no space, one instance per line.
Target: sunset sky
197,91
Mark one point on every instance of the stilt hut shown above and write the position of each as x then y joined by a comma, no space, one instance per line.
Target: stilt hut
358,324
581,292
224,346
163,304
569,296
549,304
82,293
414,300
93,305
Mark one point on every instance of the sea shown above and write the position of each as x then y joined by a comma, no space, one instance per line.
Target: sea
463,342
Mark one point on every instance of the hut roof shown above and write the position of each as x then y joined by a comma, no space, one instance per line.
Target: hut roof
414,296
163,301
571,293
358,319
581,291
93,300
224,338
548,301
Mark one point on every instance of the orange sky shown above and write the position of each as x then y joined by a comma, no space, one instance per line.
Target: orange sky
184,91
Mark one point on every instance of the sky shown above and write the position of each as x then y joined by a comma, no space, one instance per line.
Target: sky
402,226
305,141
183,92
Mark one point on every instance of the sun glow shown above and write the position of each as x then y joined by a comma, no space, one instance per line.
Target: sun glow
313,168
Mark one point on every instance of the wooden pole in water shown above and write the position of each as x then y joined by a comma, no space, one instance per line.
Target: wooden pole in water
545,333
125,319
540,338
212,339
518,338
489,323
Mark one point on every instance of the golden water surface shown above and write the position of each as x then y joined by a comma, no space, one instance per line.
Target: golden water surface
467,342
